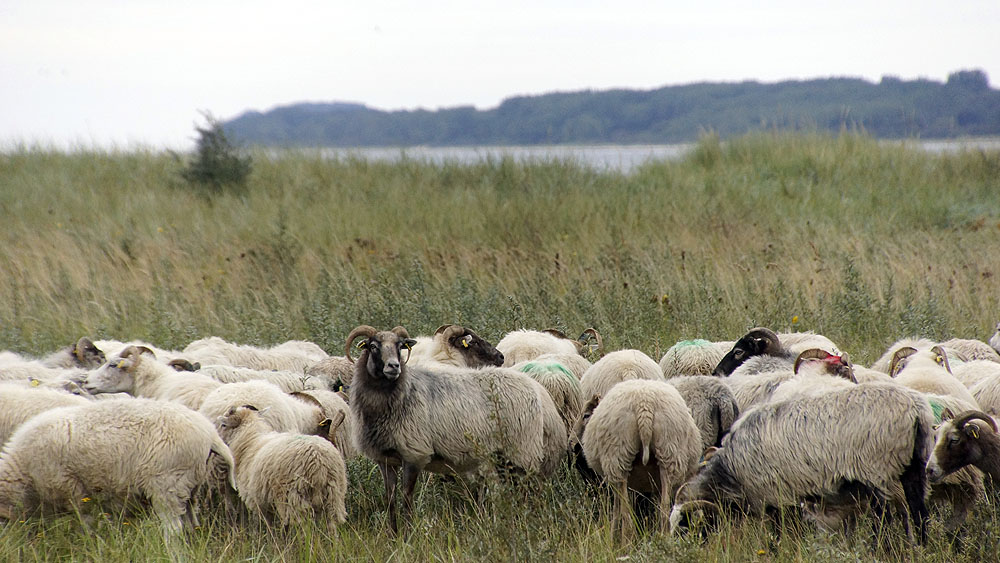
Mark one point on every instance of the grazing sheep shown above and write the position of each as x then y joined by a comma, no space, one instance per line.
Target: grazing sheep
337,369
18,403
970,438
560,383
971,373
288,381
291,356
575,363
292,477
112,450
137,372
282,411
524,345
781,453
927,371
781,349
332,406
971,349
641,437
751,390
917,343
445,421
456,346
712,404
817,372
693,357
618,366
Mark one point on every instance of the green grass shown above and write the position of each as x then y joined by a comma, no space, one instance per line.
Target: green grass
861,241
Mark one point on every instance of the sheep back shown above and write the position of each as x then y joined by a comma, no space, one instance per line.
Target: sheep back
614,368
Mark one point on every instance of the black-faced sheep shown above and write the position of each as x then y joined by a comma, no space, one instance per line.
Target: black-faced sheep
970,438
456,346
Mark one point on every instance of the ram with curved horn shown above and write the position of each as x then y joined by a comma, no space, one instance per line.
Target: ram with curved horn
524,345
827,363
970,438
455,345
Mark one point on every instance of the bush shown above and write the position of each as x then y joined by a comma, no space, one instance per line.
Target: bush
218,165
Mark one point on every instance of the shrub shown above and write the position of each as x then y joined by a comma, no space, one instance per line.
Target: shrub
218,165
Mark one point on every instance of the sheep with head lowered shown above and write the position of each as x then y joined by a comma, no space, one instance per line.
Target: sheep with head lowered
522,345
641,437
712,404
444,420
693,357
285,476
774,351
136,371
457,346
928,371
563,387
113,451
968,438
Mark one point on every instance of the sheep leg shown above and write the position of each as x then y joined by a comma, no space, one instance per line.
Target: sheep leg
914,482
623,511
666,501
389,477
410,473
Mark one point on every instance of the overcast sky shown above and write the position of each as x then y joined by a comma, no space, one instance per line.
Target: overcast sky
127,73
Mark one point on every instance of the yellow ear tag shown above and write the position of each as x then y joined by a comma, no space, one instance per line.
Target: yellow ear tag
465,343
120,364
938,359
973,431
35,383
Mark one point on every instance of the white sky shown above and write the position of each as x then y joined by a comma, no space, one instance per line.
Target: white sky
128,73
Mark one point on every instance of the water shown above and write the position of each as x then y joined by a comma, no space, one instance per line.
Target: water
624,158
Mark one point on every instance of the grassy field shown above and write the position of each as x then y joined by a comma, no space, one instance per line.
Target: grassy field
863,242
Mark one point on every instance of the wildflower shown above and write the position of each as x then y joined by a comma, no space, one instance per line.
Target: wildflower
85,499
762,551
795,319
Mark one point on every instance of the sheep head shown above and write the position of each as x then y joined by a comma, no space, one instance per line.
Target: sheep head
958,442
118,375
382,358
758,341
828,363
87,355
588,343
907,354
180,364
476,351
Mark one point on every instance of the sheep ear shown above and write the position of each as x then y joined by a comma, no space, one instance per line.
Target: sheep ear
946,414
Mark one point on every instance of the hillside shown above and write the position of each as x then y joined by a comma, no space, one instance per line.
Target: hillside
965,105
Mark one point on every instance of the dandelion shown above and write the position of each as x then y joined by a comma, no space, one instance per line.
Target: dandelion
795,319
85,499
761,551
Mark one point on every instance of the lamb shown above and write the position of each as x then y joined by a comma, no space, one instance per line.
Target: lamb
137,372
63,456
693,357
616,367
712,404
291,477
560,383
523,345
641,437
927,371
970,438
291,356
18,403
445,421
457,346
781,453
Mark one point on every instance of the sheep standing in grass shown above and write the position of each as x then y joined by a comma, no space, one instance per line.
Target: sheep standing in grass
449,421
114,451
137,372
524,345
641,437
693,357
618,366
970,438
456,346
560,383
291,477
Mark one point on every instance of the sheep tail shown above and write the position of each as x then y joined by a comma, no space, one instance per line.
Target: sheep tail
220,449
644,421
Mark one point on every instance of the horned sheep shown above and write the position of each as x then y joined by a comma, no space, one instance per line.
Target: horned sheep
969,438
64,456
136,371
284,412
457,346
781,453
445,421
292,477
523,345
927,371
641,437
774,350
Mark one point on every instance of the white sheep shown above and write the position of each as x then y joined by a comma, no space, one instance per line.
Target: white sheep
290,356
292,477
282,411
332,406
18,403
111,450
288,381
448,421
523,345
615,367
927,371
693,357
337,369
971,373
136,371
454,345
83,354
712,404
987,395
575,363
971,349
560,383
641,437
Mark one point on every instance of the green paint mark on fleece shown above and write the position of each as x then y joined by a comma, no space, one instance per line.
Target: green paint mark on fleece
549,367
699,342
938,408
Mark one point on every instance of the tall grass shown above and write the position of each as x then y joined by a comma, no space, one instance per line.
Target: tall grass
861,241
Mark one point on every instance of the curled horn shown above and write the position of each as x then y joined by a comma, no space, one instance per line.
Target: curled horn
593,334
400,332
963,418
942,357
363,330
450,331
900,355
335,421
810,354
556,332
849,367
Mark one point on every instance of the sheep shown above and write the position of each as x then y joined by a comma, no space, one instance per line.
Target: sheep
915,342
781,453
137,372
816,372
987,394
641,437
927,371
693,357
332,406
523,345
457,346
288,381
155,450
560,383
83,354
616,367
18,403
750,390
780,349
575,363
112,348
712,404
337,369
971,349
970,438
289,476
445,421
290,356
995,339
971,373
282,411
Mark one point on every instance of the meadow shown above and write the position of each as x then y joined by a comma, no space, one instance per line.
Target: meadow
860,241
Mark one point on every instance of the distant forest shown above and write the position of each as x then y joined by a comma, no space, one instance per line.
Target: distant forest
965,105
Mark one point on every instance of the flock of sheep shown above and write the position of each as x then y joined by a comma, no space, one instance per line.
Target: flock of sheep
766,422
